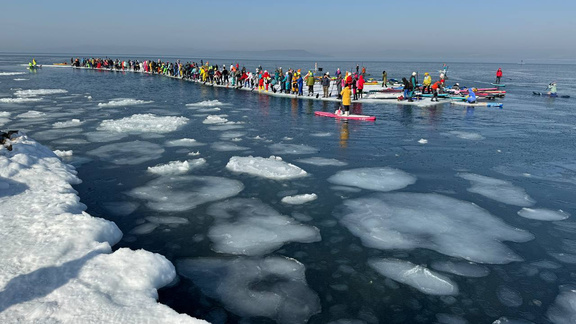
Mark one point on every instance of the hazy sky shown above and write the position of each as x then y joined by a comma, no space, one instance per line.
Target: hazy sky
506,30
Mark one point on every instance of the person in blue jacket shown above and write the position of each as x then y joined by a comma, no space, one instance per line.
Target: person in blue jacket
300,84
471,97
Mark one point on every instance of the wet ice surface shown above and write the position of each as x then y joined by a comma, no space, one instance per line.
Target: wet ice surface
431,221
271,168
380,179
421,278
123,102
563,311
543,214
250,227
128,153
322,161
273,287
499,190
176,167
299,199
179,193
143,123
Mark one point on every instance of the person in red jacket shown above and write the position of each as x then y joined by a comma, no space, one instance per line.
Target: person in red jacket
498,75
360,85
349,80
435,87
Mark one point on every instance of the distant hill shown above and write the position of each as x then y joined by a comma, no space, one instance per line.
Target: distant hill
272,54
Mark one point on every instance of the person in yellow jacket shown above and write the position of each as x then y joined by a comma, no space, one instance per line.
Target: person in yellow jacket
346,100
426,83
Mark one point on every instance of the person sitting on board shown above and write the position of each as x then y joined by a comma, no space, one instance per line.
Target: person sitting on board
435,88
552,89
471,97
498,75
346,100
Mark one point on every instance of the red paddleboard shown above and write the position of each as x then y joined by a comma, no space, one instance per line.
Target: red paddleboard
333,115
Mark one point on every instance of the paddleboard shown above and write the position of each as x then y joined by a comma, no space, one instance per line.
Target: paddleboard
498,84
478,104
549,95
333,115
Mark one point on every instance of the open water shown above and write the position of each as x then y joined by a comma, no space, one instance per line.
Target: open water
417,217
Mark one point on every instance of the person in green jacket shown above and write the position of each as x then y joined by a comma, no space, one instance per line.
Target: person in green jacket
310,83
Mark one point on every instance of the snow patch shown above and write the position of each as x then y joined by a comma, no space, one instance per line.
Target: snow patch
143,123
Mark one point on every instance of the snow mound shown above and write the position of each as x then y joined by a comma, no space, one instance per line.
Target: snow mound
123,102
292,149
499,190
271,168
128,153
58,265
250,227
143,123
176,167
380,179
431,221
299,199
419,277
184,192
38,92
273,287
69,123
322,161
543,214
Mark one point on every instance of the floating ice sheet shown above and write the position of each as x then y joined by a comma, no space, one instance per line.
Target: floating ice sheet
271,168
250,227
227,147
69,123
273,287
128,153
179,193
465,269
123,102
380,179
176,167
11,73
543,214
38,92
143,123
207,103
467,135
292,149
299,199
184,142
563,311
19,100
431,221
319,161
32,114
419,277
499,190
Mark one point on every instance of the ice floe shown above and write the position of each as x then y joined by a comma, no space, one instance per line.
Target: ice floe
251,227
32,114
176,167
143,123
271,168
123,102
62,154
184,142
207,103
563,311
509,297
273,287
299,199
20,79
19,100
467,135
499,190
423,141
167,220
292,149
380,179
11,73
120,208
128,153
543,214
227,147
38,92
58,265
319,161
419,277
431,221
216,119
465,269
184,192
69,123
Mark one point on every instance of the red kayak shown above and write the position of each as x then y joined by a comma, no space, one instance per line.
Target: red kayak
333,115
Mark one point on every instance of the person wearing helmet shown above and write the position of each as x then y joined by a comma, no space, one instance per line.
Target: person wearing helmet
498,75
426,83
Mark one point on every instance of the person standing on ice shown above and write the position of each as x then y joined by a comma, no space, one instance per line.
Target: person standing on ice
414,81
360,85
498,75
426,83
300,84
384,79
346,100
326,84
339,82
407,89
310,80
435,87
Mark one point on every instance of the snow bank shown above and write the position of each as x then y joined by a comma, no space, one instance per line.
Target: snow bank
380,179
57,265
123,102
271,168
431,221
143,123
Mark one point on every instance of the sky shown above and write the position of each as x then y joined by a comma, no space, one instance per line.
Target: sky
489,30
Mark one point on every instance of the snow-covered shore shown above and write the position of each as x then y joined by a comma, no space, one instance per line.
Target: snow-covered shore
57,262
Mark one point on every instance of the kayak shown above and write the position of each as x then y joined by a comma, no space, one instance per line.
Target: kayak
549,95
478,104
333,115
